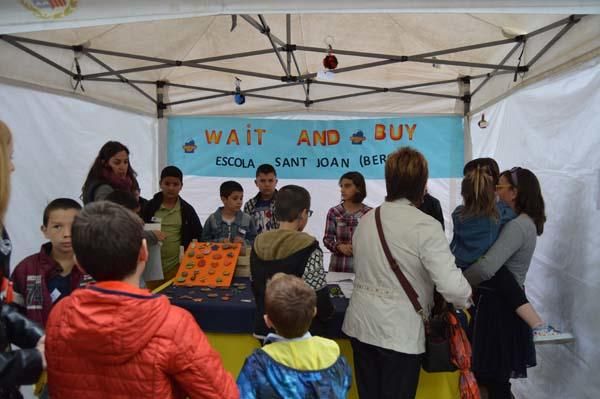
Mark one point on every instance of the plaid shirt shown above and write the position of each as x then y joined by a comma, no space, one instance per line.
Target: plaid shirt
339,229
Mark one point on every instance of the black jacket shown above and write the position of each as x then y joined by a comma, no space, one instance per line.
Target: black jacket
190,222
23,366
292,256
433,208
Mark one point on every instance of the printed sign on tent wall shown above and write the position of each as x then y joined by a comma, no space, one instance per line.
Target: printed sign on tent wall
311,149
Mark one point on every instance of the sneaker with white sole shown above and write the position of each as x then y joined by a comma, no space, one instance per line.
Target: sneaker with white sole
547,334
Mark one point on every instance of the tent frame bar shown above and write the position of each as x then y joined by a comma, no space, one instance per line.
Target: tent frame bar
306,79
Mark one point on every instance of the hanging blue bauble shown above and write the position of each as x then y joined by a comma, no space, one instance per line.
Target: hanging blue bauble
240,99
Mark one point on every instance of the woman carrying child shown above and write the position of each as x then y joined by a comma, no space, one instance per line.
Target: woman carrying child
502,342
111,171
342,220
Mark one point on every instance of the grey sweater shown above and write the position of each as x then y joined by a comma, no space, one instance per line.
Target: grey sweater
513,249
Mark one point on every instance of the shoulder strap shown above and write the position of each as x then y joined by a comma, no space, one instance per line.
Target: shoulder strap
408,289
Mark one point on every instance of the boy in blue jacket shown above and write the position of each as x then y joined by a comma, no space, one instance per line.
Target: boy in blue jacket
228,223
293,364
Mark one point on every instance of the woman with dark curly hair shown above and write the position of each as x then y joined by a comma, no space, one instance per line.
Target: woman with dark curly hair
111,171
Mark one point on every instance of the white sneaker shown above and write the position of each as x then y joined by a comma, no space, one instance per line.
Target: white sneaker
547,334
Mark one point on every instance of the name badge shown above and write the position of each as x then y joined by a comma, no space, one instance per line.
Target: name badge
241,232
54,295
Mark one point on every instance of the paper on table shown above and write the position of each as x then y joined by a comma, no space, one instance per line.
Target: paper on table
335,277
152,226
153,269
344,280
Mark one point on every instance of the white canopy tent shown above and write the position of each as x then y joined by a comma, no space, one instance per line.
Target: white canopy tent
392,58
553,63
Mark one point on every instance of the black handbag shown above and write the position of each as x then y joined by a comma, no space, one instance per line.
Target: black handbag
437,356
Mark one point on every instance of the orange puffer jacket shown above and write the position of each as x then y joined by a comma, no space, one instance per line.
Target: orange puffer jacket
112,340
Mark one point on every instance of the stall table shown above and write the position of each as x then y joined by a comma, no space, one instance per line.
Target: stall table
229,324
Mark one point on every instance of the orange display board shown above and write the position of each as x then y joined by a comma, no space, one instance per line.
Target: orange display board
208,264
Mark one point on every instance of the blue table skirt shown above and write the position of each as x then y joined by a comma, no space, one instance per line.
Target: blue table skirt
237,314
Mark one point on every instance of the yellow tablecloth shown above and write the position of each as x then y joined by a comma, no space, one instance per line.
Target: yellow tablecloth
234,348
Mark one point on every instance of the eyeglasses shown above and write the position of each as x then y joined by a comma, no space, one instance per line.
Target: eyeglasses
309,212
499,186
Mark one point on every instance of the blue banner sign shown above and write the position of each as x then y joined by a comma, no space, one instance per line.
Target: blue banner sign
311,149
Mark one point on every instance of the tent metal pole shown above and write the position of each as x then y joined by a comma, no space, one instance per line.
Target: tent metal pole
261,29
399,88
572,18
464,48
198,99
494,72
465,90
228,56
176,63
129,55
422,93
464,63
552,42
274,98
115,80
440,82
365,93
352,68
38,56
160,106
325,83
129,70
198,88
288,35
37,42
99,62
304,87
267,32
234,71
408,57
272,87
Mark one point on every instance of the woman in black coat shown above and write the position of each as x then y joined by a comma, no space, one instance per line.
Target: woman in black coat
23,366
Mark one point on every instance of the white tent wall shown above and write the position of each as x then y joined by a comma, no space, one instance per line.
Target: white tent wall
56,140
552,128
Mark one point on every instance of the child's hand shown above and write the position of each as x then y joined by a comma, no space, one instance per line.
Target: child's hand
41,346
238,239
160,236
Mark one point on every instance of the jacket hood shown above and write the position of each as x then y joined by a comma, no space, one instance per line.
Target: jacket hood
279,244
111,324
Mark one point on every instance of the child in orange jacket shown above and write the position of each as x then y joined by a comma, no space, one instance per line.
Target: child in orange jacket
113,339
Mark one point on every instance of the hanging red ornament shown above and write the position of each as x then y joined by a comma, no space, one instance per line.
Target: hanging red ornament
330,61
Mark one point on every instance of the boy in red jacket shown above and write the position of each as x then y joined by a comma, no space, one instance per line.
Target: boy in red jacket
44,278
115,340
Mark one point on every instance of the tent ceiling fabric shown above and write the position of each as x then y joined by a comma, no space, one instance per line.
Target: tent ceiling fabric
387,33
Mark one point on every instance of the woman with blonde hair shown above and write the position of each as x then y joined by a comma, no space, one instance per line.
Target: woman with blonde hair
387,334
22,366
